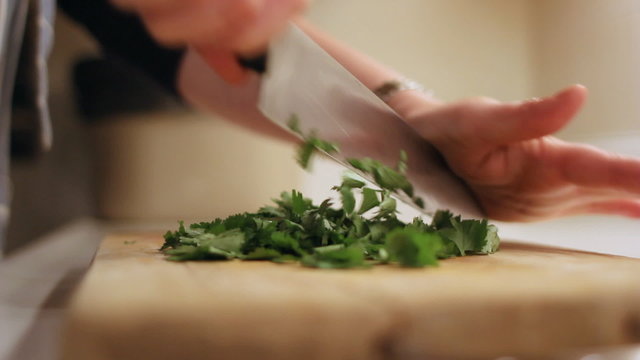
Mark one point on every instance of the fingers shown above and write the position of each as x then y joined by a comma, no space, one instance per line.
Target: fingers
218,29
275,15
219,22
225,64
628,208
509,123
591,167
243,26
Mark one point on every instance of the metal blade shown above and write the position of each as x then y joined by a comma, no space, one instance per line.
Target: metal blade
304,80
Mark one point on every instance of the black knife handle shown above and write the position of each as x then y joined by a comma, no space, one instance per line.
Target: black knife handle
256,63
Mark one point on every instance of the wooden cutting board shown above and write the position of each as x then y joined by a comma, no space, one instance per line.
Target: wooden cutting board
525,300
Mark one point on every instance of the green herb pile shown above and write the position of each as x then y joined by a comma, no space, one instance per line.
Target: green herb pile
361,232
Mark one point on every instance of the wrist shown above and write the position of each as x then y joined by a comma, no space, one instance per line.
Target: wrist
403,95
390,88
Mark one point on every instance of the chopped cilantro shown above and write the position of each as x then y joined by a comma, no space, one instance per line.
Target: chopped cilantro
412,247
311,144
325,236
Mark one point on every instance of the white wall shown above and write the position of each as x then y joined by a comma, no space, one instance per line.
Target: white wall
458,48
596,43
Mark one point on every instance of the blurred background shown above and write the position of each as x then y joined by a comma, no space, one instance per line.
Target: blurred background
124,151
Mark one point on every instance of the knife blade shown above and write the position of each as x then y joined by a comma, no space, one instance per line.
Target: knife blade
302,79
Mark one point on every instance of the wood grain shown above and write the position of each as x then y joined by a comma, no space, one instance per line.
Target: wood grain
525,300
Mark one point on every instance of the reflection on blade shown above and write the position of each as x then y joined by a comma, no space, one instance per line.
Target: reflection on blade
304,80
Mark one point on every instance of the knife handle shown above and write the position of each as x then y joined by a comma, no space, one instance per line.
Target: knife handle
256,63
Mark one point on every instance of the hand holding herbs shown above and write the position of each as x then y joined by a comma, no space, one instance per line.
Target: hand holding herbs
364,231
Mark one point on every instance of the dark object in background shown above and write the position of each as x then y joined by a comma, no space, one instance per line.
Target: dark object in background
107,87
26,119
123,35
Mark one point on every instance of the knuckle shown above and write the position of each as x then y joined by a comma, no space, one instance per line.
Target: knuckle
237,12
475,107
300,4
465,109
481,100
246,10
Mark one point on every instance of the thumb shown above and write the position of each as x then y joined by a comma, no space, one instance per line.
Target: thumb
530,119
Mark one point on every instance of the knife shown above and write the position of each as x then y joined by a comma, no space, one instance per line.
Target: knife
301,79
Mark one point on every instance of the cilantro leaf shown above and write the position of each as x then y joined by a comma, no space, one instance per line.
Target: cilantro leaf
348,257
402,163
294,125
387,207
369,200
413,248
263,254
492,241
298,203
311,144
304,154
352,180
471,236
348,200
